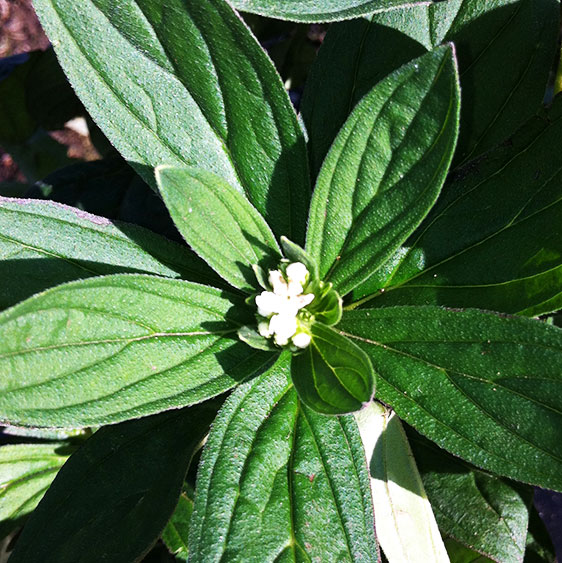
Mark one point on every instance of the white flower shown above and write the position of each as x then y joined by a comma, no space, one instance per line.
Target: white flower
301,340
283,327
280,307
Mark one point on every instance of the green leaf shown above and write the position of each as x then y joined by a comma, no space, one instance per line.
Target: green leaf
279,482
539,543
484,512
176,97
16,123
219,224
176,532
114,496
459,553
478,384
43,244
320,11
385,169
110,348
26,471
406,526
470,252
332,375
497,97
348,65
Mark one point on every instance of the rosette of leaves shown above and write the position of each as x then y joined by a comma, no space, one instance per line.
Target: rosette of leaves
146,329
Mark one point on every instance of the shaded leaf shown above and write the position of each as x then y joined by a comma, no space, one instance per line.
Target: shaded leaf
497,97
176,532
43,244
478,384
332,375
219,224
485,513
114,496
26,471
494,239
279,482
385,169
111,348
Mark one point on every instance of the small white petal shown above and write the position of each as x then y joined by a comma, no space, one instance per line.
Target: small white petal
297,272
301,340
268,303
304,300
264,330
283,326
278,282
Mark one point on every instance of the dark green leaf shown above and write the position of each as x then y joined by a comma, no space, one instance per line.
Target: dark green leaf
354,56
320,11
43,244
114,496
497,97
385,169
219,224
332,375
494,240
16,123
459,553
49,97
26,471
539,544
478,384
405,524
484,512
111,348
175,96
279,482
176,532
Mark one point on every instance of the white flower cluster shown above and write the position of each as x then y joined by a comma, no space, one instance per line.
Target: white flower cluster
280,307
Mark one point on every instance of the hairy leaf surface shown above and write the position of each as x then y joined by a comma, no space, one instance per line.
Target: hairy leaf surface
385,169
478,384
323,11
280,482
484,512
43,244
497,97
219,224
111,348
494,239
159,81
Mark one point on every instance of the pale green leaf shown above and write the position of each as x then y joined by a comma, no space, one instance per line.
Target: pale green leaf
26,472
320,10
43,244
406,526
